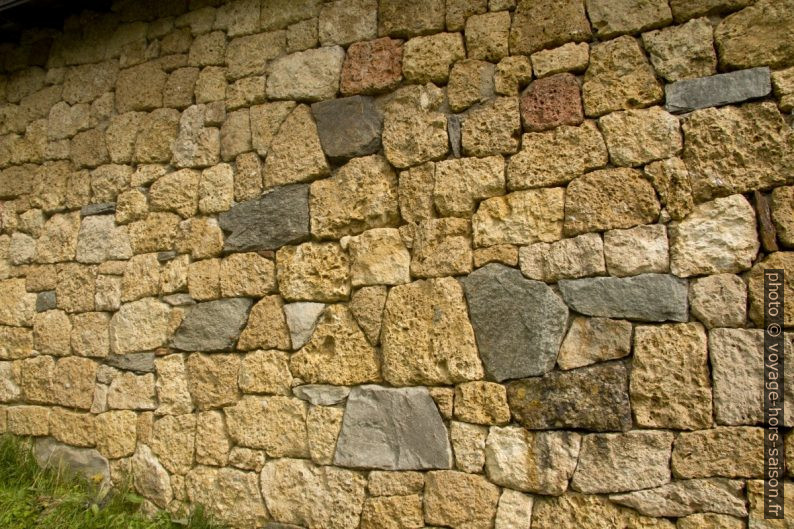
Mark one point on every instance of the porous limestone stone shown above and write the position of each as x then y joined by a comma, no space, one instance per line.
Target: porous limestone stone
783,85
140,87
406,511
346,21
313,272
556,157
414,131
637,137
481,403
295,154
512,74
125,326
719,300
311,75
493,128
58,241
85,82
348,127
212,444
521,217
736,149
571,57
216,189
299,492
776,260
174,442
639,250
458,11
28,420
246,458
157,131
686,497
671,180
470,81
279,217
150,478
619,77
782,205
323,424
506,254
179,88
411,17
541,462
670,386
337,352
753,36
550,102
372,67
570,510
22,248
725,451
579,256
212,326
488,35
274,424
442,247
427,337
610,18
710,521
395,483
361,195
231,496
9,388
129,391
591,340
75,289
301,320
99,239
89,336
141,277
208,49
686,9
72,428
157,232
545,24
173,396
379,257
247,274
266,327
514,510
460,184
235,134
618,462
468,445
322,395
266,120
265,372
717,237
17,342
756,495
682,52
51,333
459,500
248,55
366,305
212,379
592,398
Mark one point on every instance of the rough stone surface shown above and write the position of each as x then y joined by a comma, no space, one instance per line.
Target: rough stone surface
753,36
84,461
460,184
591,340
682,52
671,180
414,131
313,272
551,102
776,260
301,320
468,445
247,274
212,326
728,451
682,498
392,429
321,394
576,257
481,403
310,75
295,154
125,325
540,463
230,495
637,137
514,510
212,379
639,250
276,425
755,493
493,128
366,305
718,90
323,424
610,18
427,337
573,510
719,300
372,66
429,59
266,327
150,478
279,217
519,324
609,199
101,240
459,500
521,217
399,511
539,25
782,205
348,127
442,247
697,249
379,257
592,398
686,9
265,372
571,57
512,74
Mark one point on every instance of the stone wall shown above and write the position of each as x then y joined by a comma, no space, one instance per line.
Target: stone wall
401,264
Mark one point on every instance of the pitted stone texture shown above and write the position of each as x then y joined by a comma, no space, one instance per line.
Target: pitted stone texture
28,420
266,327
610,18
737,149
551,102
579,256
515,510
177,192
266,120
512,74
427,337
301,320
379,257
519,324
403,18
609,199
248,55
569,57
493,128
783,85
392,429
592,398
682,498
460,500
429,58
719,300
470,82
346,21
737,363
458,11
348,127
548,23
725,451
89,335
637,137
361,195
129,391
51,333
782,205
337,353
556,157
295,154
372,67
717,237
299,492
593,512
230,496
414,131
710,521
126,324
755,36
276,425
279,217
686,9
442,247
717,90
174,442
101,240
591,340
313,272
468,445
395,511
623,462
212,326
140,88
172,390
150,478
460,184
481,403
540,463
639,250
522,217
265,372
58,241
311,75
671,180
682,52
212,379
366,305
755,493
779,260
646,297
619,77
16,342
247,274
487,35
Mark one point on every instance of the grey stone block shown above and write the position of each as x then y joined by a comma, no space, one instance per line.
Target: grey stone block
105,208
45,301
212,326
717,90
84,461
348,127
321,394
138,362
453,131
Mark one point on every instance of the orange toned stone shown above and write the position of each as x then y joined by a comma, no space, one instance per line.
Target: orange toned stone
551,102
372,67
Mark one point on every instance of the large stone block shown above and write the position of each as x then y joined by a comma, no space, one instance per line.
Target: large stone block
575,257
461,183
313,272
86,462
637,137
685,497
414,131
406,18
548,23
611,18
460,500
550,102
428,59
276,425
591,340
379,257
127,324
212,379
573,510
682,52
231,496
18,307
493,128
311,75
442,247
295,153
266,327
755,36
639,250
727,451
372,67
717,90
212,326
348,127
392,429
521,217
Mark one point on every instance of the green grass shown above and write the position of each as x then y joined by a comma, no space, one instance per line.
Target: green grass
35,498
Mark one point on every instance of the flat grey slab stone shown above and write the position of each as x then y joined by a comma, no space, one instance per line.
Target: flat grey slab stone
105,208
138,362
213,325
348,126
84,461
717,90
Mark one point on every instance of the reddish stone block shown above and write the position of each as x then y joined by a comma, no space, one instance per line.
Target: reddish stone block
372,67
551,102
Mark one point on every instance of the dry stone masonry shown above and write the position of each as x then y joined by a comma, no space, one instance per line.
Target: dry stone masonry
375,264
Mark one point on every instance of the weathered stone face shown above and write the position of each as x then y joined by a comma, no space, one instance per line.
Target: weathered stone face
212,379
539,25
683,498
729,451
777,260
311,75
770,21
125,325
462,500
313,272
348,127
591,340
233,495
571,509
295,153
276,425
521,217
372,66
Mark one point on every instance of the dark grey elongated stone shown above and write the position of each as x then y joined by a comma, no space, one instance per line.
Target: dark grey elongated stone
105,208
279,217
453,131
212,326
45,301
348,127
689,496
321,394
519,324
392,429
138,362
717,90
591,398
645,297
84,461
